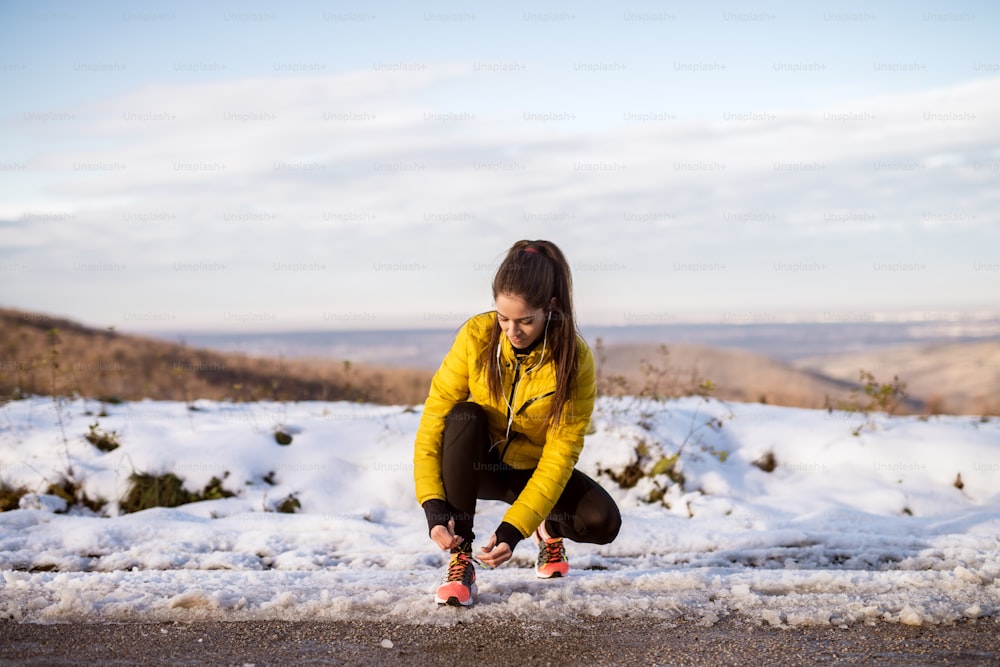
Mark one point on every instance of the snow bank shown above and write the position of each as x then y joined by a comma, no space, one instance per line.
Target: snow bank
898,523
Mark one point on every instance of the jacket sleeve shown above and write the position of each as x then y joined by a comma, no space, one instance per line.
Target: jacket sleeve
449,386
563,444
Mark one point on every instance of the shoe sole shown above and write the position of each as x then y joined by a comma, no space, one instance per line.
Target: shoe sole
453,601
554,575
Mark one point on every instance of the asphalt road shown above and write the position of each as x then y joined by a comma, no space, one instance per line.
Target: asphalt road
586,641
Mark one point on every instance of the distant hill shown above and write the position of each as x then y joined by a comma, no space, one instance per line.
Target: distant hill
47,355
959,378
40,354
737,375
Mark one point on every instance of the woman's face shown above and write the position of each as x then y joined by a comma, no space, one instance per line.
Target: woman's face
521,323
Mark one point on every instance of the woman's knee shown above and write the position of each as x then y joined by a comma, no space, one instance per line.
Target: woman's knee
464,413
608,525
594,522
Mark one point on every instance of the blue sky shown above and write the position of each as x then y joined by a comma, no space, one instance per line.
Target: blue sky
248,166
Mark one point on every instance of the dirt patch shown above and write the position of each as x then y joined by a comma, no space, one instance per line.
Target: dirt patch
583,641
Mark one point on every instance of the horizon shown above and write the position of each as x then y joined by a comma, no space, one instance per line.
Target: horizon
630,321
244,166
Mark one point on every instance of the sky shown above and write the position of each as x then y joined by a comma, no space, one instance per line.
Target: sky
347,165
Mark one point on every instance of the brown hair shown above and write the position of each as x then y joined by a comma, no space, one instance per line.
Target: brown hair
536,271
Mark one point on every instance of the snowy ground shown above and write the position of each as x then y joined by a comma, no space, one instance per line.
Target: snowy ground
846,528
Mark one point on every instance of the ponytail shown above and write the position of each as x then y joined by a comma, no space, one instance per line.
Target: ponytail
537,271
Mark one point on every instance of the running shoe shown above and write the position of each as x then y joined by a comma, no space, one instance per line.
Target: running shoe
552,560
459,587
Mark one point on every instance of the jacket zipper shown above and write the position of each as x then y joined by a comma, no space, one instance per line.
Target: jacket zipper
525,405
513,387
510,403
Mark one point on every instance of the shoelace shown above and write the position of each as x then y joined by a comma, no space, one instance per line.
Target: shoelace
553,551
457,569
480,563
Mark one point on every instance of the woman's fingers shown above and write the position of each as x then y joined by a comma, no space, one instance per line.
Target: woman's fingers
494,554
444,537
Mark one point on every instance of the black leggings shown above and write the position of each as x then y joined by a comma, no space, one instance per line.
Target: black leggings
470,470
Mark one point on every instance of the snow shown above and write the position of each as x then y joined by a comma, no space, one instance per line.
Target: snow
853,525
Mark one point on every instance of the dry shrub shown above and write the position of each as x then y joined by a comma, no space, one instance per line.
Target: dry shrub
10,496
167,490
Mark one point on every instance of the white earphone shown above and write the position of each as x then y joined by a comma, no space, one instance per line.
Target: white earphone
541,358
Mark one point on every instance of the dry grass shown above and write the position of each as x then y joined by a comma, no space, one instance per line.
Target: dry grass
962,378
51,356
44,355
736,375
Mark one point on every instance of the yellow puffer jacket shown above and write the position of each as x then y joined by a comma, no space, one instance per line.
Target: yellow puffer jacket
552,450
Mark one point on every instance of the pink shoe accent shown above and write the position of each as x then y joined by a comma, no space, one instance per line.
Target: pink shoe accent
459,587
552,560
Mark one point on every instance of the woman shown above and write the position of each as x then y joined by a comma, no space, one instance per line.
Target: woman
505,420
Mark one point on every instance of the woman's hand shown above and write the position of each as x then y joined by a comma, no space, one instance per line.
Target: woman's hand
445,537
493,554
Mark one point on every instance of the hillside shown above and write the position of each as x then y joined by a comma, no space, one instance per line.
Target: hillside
737,375
956,378
41,354
952,378
47,355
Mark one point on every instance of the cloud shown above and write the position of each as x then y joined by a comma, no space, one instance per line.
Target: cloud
400,206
